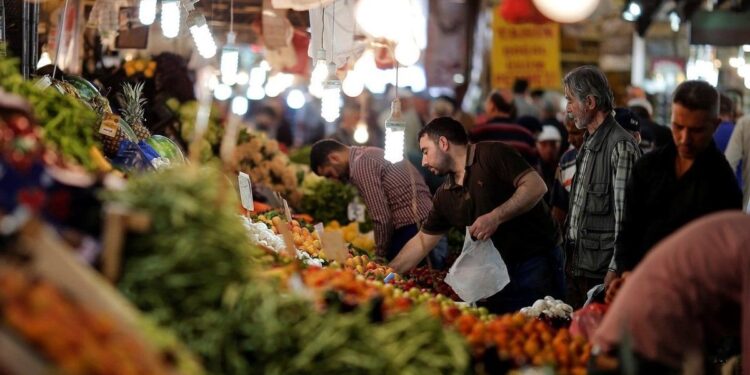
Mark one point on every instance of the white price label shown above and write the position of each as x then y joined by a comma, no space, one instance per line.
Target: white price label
356,212
287,212
246,191
110,125
320,229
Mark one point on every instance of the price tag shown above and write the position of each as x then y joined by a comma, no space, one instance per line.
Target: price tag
43,83
246,191
320,229
356,211
110,125
287,212
291,251
334,246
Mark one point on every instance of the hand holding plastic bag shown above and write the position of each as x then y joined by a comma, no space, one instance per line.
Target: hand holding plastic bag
479,272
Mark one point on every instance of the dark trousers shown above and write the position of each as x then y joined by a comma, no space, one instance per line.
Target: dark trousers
577,287
530,280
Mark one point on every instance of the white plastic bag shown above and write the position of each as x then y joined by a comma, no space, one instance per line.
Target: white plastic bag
479,272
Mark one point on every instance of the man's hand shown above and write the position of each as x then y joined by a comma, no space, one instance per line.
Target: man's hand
484,226
611,276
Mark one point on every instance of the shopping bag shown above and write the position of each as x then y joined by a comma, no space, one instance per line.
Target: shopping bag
479,272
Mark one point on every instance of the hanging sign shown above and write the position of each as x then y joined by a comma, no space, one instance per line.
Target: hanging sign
525,50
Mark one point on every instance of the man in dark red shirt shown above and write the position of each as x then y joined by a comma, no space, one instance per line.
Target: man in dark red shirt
501,126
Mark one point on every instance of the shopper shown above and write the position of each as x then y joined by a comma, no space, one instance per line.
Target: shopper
726,127
738,153
350,116
679,183
389,191
501,126
653,135
566,170
597,198
548,147
493,191
691,289
521,99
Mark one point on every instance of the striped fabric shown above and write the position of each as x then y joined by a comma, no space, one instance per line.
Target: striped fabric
388,190
517,136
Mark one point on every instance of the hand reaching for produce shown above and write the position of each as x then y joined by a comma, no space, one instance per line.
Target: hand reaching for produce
484,226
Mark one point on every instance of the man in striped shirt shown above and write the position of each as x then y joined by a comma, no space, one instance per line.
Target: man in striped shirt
395,194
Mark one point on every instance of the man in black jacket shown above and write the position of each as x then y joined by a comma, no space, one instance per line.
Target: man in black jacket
676,184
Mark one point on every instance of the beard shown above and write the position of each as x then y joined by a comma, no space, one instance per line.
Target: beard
442,165
582,120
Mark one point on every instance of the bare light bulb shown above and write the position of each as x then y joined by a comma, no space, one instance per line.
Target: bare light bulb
295,99
255,92
147,11
239,105
395,129
222,92
353,84
361,135
230,60
170,18
331,101
202,37
407,52
318,75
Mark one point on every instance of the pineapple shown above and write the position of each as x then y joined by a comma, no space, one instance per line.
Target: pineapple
133,103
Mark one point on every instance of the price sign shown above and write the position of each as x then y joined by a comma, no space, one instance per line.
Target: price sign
356,211
334,246
287,212
110,125
246,191
319,229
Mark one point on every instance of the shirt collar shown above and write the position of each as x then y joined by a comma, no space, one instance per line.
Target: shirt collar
595,141
450,181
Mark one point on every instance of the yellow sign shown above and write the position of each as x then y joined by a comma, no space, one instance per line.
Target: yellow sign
530,51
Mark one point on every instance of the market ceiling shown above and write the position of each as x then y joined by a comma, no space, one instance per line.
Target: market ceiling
686,9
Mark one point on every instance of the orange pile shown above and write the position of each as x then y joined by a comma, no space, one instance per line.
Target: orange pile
76,339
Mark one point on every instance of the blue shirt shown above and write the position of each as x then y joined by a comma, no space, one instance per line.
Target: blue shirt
722,135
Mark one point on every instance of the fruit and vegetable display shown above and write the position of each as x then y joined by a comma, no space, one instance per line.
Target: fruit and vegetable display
226,287
76,339
352,235
325,199
69,125
548,307
266,165
187,114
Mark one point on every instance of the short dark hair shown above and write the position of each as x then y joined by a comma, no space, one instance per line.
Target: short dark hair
697,96
726,105
588,80
502,105
446,127
320,151
520,85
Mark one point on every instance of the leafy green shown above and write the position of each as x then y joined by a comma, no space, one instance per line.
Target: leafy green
69,125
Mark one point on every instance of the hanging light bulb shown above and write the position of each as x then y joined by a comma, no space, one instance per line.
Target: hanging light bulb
395,129
242,78
295,99
319,73
222,92
361,135
239,105
230,60
147,11
331,101
202,37
170,18
353,84
44,60
407,52
255,92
